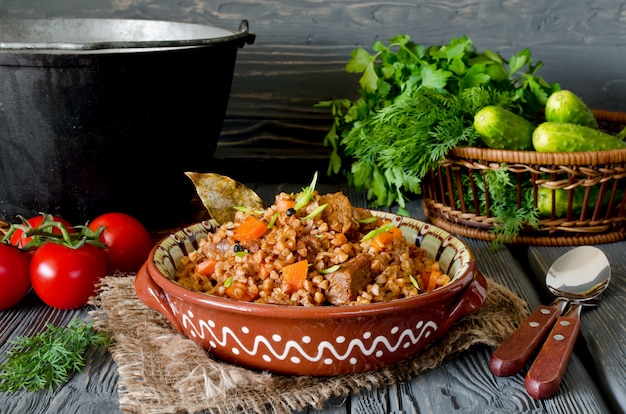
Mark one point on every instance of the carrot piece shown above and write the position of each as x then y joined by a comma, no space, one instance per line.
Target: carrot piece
380,241
252,228
383,239
206,267
397,233
295,274
237,291
285,204
432,280
263,272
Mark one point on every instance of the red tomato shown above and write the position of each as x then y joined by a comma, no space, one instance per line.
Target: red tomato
19,241
65,278
14,276
128,241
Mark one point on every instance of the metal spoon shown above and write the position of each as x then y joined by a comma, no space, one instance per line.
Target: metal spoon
511,356
583,276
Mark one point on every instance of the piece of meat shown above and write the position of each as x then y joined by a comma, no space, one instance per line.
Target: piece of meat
312,245
352,276
339,214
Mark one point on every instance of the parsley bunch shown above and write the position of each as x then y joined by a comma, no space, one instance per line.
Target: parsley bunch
415,104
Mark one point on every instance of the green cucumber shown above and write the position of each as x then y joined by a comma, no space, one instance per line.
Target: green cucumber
561,199
502,129
564,137
565,106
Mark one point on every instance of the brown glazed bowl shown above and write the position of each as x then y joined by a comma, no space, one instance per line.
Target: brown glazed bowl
317,341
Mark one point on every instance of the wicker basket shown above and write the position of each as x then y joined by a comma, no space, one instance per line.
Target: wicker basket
602,173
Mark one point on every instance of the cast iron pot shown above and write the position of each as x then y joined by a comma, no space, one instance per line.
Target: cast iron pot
106,114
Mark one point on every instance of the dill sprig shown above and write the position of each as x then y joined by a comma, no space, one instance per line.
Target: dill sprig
47,359
502,190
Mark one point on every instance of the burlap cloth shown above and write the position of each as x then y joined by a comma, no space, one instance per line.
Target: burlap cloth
161,371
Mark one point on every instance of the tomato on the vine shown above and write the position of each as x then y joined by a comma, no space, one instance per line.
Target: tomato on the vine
36,221
128,242
14,276
65,277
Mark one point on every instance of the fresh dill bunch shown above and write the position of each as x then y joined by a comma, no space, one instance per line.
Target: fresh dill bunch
394,148
47,359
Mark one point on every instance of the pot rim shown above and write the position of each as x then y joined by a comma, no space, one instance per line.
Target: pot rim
222,36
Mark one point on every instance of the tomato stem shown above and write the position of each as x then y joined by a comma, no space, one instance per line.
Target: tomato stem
43,233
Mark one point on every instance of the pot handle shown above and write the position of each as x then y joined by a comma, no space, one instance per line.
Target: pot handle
244,28
152,295
472,297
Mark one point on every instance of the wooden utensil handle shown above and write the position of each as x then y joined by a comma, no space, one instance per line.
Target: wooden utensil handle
545,374
511,356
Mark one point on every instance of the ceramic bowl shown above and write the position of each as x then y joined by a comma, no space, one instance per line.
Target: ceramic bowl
317,341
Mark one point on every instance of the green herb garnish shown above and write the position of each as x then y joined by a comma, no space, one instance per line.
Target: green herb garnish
47,359
249,210
330,269
306,194
315,212
273,220
377,231
414,282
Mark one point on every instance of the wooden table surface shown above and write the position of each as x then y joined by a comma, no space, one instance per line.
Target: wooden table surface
595,380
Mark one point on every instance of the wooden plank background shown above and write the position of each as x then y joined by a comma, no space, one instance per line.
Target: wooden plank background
302,47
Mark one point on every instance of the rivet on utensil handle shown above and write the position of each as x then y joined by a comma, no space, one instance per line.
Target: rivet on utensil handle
545,375
511,356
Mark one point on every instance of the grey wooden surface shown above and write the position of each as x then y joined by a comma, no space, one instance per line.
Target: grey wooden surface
299,59
302,47
595,380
